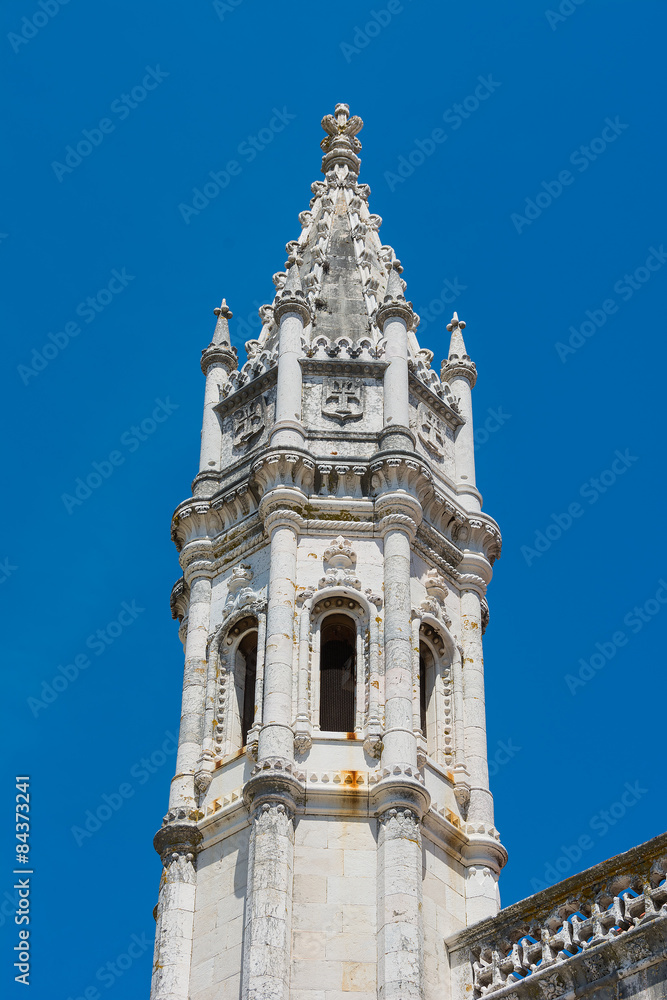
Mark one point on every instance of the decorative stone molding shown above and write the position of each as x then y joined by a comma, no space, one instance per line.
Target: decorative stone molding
179,599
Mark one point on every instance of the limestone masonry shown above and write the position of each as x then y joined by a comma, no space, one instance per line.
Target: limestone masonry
330,827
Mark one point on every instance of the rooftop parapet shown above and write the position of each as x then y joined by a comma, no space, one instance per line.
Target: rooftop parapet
608,921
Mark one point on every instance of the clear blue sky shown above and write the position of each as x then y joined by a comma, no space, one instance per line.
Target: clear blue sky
540,204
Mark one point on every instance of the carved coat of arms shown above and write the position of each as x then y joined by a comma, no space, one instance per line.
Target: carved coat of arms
342,398
432,430
248,423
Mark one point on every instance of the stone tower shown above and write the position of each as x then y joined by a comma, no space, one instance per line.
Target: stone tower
330,820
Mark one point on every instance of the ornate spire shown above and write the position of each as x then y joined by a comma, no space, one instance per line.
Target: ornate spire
220,349
458,361
340,144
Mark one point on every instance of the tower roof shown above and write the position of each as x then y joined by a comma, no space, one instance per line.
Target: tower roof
342,264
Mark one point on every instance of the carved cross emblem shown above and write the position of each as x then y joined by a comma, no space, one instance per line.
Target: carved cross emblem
248,423
342,398
431,430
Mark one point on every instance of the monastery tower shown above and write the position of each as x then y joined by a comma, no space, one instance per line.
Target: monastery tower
330,821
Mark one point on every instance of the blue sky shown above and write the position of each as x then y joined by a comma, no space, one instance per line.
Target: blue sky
536,209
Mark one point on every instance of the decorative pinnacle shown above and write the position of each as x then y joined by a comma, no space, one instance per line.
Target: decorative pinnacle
340,144
220,349
458,362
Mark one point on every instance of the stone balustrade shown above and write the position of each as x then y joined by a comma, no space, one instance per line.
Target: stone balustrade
581,930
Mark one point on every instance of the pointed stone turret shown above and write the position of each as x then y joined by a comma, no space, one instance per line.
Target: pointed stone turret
335,563
460,373
458,362
217,361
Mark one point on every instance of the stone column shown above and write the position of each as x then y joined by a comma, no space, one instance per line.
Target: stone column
177,844
416,682
276,738
400,746
268,916
400,925
396,411
484,855
198,572
393,318
211,432
400,798
481,801
291,312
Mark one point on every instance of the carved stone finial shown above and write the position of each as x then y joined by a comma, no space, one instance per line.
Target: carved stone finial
223,310
340,144
456,323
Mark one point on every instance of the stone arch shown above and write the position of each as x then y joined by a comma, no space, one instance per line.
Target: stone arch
438,660
229,678
347,603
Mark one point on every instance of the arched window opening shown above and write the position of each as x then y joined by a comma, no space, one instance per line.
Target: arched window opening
247,653
422,688
427,711
337,674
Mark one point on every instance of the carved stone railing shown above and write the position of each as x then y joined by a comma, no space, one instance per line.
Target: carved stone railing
592,925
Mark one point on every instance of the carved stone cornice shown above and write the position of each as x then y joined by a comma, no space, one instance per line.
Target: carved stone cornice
343,366
285,471
247,391
439,405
